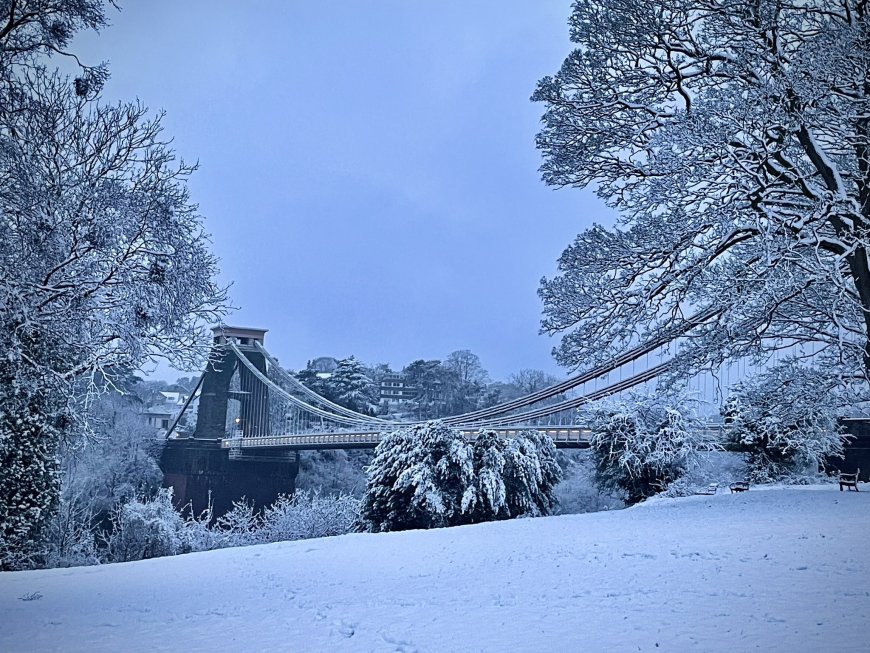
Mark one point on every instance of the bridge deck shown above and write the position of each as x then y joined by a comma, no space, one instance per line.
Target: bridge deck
564,437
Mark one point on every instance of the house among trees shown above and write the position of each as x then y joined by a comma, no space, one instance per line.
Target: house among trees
394,388
162,414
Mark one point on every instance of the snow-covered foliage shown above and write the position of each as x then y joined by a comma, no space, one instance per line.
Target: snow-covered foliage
418,478
103,258
733,139
116,462
785,420
70,539
427,476
29,479
147,528
308,514
353,388
641,443
239,526
513,477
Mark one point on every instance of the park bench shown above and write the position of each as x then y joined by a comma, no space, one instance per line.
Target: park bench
710,489
849,481
739,486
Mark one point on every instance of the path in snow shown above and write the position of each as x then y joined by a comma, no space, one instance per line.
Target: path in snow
779,570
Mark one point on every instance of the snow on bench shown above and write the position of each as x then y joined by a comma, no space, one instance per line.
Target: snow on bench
739,486
849,481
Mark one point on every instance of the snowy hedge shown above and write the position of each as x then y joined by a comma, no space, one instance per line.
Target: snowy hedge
428,475
149,528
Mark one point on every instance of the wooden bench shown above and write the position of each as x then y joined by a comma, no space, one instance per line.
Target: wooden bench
848,481
739,486
710,489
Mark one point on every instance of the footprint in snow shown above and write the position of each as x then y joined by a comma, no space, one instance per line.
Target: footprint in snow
401,645
345,628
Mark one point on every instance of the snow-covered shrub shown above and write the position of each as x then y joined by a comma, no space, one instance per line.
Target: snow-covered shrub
197,533
302,516
418,479
147,528
487,498
512,477
531,474
785,421
239,526
643,442
427,476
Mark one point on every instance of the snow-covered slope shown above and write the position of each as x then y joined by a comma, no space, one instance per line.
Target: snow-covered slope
779,570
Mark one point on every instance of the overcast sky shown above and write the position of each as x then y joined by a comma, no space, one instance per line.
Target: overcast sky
368,169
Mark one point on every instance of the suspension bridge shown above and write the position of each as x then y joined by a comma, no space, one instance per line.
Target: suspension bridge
241,430
249,402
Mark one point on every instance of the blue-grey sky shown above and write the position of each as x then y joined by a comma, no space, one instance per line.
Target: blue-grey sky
368,170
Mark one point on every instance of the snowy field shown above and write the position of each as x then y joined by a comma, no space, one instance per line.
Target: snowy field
775,570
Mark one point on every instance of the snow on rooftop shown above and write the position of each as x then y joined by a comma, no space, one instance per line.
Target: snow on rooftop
785,570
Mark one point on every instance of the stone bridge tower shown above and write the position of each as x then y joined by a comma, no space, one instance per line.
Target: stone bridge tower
197,468
215,395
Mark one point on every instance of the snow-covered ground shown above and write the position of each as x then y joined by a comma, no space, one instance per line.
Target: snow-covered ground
778,570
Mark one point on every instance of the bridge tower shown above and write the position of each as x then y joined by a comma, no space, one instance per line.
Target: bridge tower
215,395
196,467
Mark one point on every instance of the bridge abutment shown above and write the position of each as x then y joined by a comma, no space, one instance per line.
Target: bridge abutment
200,471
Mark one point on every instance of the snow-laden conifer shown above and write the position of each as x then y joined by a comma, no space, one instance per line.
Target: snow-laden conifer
427,475
418,479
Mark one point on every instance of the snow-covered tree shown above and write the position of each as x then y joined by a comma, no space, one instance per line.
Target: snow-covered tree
353,388
514,477
642,442
427,476
428,377
103,258
467,367
116,462
734,139
418,478
786,420
527,381
531,474
348,385
29,479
